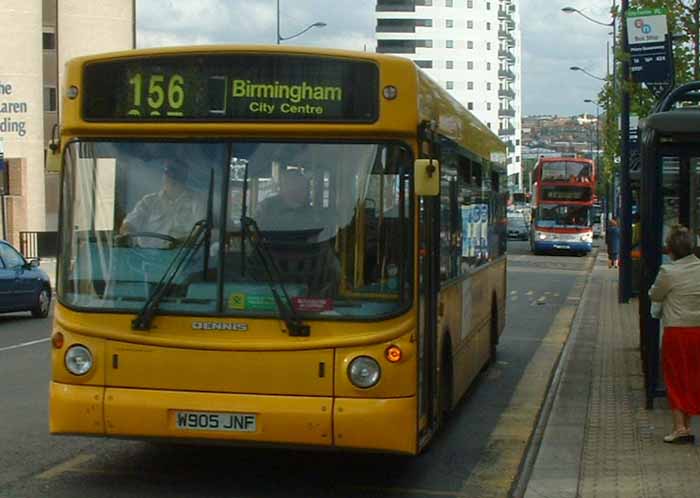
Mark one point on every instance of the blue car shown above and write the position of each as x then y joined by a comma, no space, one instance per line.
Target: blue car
23,285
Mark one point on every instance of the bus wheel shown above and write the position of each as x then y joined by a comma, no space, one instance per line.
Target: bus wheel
446,380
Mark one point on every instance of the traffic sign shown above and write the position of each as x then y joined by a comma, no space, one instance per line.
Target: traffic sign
650,49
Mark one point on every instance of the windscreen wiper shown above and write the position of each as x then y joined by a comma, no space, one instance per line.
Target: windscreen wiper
194,240
286,310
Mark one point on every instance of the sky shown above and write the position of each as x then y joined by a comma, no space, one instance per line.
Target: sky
552,41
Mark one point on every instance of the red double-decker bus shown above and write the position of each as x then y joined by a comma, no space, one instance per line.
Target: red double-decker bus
561,213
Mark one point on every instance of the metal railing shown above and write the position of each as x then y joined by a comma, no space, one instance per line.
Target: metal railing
38,244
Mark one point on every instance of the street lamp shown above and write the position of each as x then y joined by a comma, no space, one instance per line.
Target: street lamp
577,68
281,38
571,10
612,24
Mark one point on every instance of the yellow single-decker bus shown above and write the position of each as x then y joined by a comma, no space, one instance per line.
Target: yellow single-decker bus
272,245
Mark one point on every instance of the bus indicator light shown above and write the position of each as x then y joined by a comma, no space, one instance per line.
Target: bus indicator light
57,340
390,92
393,354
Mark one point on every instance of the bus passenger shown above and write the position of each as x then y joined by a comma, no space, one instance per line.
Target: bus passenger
677,288
290,208
172,211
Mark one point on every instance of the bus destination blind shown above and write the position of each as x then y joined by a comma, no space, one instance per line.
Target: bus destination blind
241,87
560,193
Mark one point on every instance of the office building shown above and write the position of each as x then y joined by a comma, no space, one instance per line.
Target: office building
39,36
471,48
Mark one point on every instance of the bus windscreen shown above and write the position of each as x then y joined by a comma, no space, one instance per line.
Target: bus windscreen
558,171
231,87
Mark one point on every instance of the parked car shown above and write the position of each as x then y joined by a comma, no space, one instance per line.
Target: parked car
23,285
517,226
598,229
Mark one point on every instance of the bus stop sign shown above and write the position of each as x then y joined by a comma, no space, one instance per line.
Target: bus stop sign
649,44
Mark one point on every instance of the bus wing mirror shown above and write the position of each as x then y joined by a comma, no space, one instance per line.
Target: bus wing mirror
427,177
53,162
53,154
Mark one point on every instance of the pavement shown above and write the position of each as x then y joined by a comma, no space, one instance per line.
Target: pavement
596,438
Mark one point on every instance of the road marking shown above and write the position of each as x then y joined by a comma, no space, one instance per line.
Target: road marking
498,467
67,466
25,344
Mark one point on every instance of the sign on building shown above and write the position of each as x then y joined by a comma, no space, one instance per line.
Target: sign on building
650,50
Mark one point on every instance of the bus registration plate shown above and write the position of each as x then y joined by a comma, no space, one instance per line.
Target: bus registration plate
213,421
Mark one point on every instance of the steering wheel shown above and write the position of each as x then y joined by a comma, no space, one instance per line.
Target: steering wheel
127,239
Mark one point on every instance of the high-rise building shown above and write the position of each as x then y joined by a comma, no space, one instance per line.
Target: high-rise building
470,47
39,36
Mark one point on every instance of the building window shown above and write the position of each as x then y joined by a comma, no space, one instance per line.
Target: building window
488,85
489,125
470,106
488,26
488,5
449,65
470,24
488,66
470,85
488,106
449,23
470,65
517,159
424,64
470,44
449,85
49,40
470,4
49,99
448,3
488,45
517,142
449,44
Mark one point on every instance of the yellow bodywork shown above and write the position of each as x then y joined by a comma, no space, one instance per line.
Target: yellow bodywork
297,386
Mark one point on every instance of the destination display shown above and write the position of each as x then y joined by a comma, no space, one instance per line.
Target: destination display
231,87
560,193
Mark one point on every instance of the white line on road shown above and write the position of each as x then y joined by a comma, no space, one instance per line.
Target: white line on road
25,344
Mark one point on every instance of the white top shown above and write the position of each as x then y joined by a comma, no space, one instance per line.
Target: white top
158,213
677,287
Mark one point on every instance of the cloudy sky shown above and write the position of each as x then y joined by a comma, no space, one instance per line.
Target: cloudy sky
552,41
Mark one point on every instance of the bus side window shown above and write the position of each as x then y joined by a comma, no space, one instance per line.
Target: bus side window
450,242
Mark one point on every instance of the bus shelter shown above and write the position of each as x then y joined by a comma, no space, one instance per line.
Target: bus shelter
670,181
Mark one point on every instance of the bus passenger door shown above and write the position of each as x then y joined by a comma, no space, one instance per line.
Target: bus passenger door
428,265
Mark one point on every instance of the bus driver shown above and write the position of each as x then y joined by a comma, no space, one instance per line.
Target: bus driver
172,211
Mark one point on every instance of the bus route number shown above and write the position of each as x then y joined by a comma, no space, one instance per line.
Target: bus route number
159,90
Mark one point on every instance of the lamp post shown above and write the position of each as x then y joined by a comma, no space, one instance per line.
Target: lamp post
612,24
577,68
281,38
597,149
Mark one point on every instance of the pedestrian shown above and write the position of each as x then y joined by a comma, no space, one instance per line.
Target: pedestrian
612,240
677,288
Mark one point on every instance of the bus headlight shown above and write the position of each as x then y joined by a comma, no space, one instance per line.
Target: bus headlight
541,236
78,360
364,372
587,237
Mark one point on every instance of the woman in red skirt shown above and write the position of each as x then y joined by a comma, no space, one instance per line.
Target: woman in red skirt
677,288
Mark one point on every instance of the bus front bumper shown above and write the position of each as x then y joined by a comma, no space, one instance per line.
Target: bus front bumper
362,423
